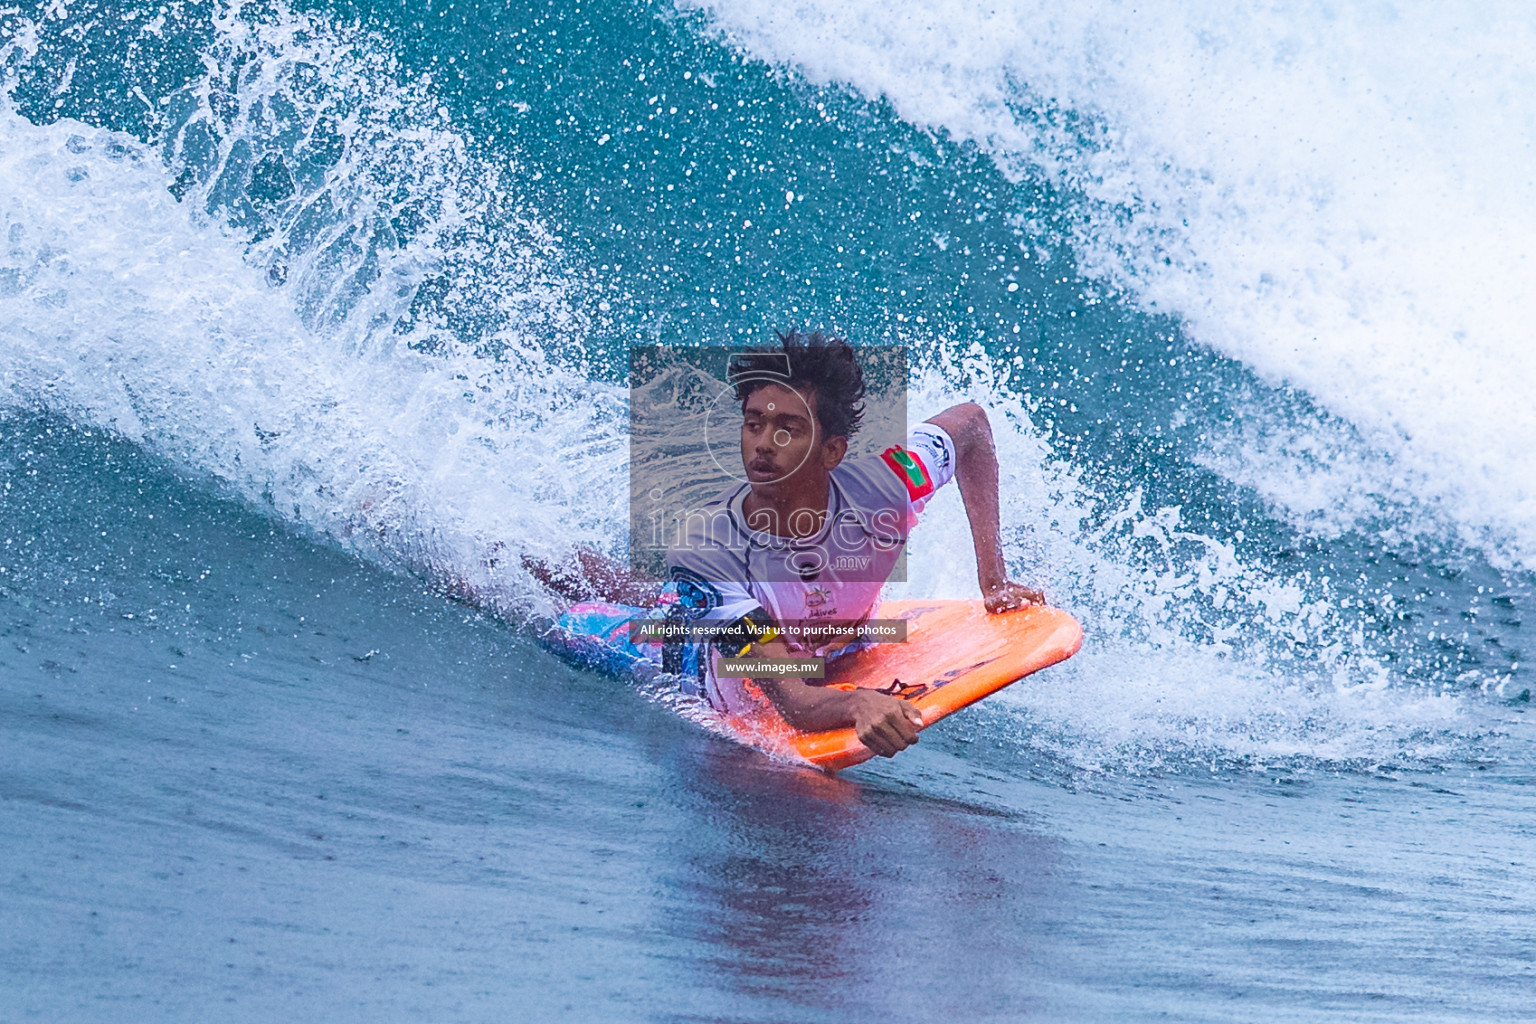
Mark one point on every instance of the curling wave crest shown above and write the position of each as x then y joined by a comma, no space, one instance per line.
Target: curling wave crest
1336,195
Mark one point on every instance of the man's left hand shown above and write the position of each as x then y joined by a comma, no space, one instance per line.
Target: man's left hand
1009,595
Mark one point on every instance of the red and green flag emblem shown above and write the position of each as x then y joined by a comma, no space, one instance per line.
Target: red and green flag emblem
910,468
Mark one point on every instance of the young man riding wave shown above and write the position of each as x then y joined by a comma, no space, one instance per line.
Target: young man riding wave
809,535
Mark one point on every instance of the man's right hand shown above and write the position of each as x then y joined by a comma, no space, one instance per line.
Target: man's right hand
886,725
1007,596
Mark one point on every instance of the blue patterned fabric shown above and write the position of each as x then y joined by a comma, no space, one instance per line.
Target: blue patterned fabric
596,634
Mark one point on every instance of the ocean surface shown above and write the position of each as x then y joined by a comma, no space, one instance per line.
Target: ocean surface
313,316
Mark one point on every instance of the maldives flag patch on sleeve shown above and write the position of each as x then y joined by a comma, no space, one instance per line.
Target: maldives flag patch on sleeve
907,465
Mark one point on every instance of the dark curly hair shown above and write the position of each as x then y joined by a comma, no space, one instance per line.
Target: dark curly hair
816,361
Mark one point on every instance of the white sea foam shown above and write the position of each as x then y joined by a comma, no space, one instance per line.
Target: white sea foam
1191,656
1338,196
308,391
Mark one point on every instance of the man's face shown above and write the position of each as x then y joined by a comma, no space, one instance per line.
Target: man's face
781,442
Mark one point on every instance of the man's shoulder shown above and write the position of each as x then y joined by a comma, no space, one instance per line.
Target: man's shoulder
709,541
871,480
713,524
708,561
907,472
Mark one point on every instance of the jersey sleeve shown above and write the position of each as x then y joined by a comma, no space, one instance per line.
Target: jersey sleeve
922,465
711,591
712,577
707,589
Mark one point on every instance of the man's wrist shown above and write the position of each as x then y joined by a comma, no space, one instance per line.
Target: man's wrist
991,582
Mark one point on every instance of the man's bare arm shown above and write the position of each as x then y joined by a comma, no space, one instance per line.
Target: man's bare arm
976,473
884,724
593,576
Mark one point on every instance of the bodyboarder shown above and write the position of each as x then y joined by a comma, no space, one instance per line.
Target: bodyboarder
810,535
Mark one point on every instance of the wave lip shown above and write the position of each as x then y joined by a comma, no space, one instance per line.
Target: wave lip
308,286
1318,193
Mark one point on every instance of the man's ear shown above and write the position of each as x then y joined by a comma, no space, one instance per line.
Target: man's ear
833,449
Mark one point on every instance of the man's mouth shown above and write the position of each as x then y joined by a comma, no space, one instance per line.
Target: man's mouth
762,469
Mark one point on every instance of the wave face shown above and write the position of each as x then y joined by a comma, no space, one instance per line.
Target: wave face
1321,193
287,273
1240,295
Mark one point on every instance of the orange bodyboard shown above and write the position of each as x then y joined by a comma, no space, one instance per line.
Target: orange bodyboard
955,654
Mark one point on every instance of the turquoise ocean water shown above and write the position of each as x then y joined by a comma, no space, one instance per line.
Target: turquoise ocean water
307,310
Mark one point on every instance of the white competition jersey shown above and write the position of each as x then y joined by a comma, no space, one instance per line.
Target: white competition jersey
725,570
